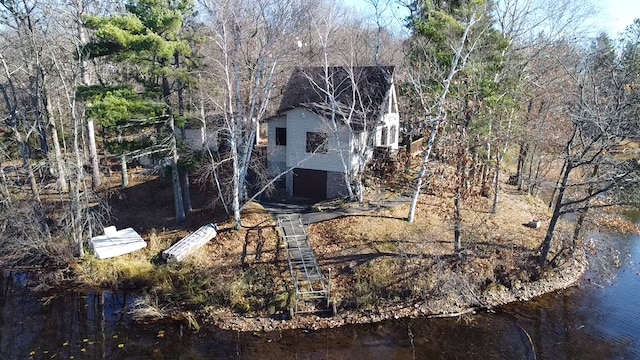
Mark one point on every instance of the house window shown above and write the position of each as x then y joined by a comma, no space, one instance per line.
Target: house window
384,136
281,136
316,142
392,134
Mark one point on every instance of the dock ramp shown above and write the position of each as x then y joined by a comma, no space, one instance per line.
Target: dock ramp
308,281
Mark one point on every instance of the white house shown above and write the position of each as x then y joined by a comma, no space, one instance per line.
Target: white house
325,117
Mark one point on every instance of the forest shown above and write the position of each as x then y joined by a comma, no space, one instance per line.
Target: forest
513,91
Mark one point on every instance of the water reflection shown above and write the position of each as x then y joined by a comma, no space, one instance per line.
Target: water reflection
58,325
593,321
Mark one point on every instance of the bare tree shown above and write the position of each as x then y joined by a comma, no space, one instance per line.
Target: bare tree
30,29
19,124
79,7
249,41
38,88
345,93
541,36
602,118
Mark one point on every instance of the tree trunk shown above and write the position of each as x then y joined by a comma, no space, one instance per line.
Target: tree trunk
76,204
124,172
177,191
96,178
186,188
457,216
6,196
236,188
26,162
578,228
186,191
496,185
36,102
484,179
423,171
359,188
531,179
583,213
557,186
522,155
245,162
57,151
546,244
175,173
524,150
175,176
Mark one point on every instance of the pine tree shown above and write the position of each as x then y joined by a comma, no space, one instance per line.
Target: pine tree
148,47
445,34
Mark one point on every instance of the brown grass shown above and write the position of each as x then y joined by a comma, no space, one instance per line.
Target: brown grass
379,257
376,258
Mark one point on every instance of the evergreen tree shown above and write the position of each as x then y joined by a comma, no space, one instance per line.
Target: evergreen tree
148,47
445,34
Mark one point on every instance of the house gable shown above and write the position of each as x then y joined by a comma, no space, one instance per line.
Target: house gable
306,108
353,94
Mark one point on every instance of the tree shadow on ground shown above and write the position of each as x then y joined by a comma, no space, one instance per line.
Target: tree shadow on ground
255,235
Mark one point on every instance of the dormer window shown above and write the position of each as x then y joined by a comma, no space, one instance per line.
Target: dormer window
384,136
392,133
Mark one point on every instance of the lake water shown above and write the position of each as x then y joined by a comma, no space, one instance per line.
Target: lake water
597,320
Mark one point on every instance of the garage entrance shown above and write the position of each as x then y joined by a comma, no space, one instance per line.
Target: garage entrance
310,184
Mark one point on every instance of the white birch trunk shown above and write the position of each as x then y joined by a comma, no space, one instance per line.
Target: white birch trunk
441,116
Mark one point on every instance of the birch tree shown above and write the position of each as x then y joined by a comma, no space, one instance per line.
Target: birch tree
30,83
249,43
33,241
79,11
440,50
346,94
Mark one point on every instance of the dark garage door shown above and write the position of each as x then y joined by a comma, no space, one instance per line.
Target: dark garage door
310,184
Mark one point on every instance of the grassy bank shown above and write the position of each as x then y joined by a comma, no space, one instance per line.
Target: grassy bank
377,259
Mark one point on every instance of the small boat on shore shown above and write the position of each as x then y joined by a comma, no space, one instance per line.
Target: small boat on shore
190,243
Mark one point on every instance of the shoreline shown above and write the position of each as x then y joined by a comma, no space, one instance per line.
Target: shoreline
556,279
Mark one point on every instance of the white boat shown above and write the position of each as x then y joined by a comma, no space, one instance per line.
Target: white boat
116,242
190,243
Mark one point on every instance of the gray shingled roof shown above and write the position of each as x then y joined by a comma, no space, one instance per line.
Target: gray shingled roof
309,88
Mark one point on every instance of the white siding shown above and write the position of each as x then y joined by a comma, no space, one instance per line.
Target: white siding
390,121
197,139
276,153
301,121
